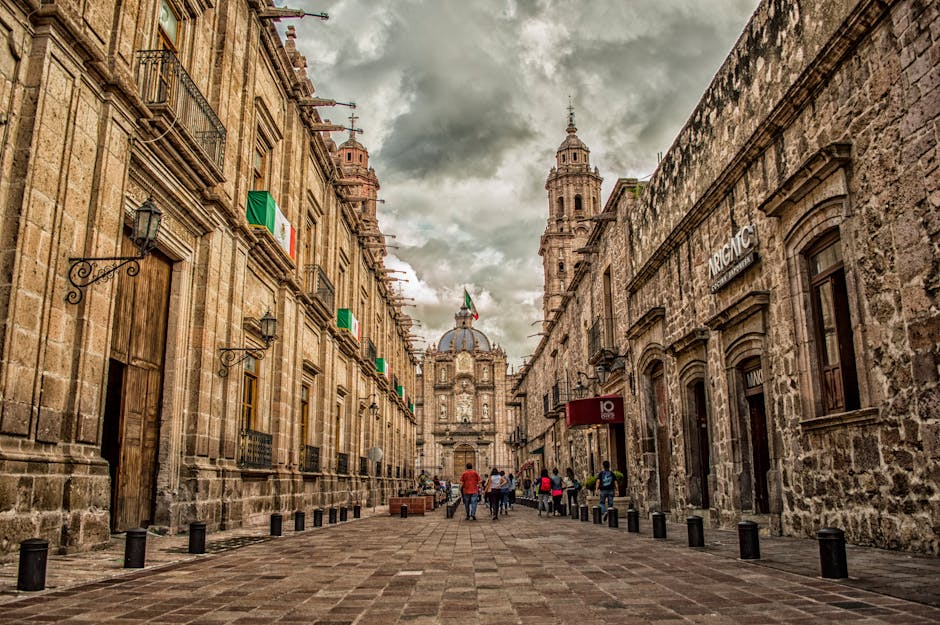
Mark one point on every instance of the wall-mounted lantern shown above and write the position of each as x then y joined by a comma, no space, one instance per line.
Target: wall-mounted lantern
231,356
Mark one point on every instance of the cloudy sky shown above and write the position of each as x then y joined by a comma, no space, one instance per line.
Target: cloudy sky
463,104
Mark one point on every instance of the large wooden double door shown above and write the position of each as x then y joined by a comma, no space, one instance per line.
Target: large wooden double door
130,441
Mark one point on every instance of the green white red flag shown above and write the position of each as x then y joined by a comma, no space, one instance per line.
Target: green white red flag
469,304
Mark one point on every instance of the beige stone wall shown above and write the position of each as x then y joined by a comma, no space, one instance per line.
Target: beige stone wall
797,138
81,149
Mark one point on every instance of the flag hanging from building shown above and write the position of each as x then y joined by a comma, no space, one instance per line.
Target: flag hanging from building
469,304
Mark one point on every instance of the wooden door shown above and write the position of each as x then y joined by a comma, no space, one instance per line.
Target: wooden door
701,461
760,452
462,456
663,458
138,343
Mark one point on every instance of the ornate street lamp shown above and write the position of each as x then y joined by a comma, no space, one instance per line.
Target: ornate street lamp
231,356
86,271
373,407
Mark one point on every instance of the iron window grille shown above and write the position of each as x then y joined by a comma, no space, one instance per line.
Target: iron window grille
255,452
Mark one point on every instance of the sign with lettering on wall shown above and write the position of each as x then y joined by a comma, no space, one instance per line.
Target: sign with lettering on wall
594,411
733,258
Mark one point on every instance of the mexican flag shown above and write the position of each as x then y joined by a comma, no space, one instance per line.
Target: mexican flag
263,211
469,304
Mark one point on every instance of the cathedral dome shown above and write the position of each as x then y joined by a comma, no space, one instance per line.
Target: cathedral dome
464,337
572,142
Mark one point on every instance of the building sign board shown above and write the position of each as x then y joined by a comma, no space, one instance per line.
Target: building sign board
594,411
733,258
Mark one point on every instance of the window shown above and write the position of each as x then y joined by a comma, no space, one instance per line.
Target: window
304,414
259,169
349,156
577,204
560,208
832,326
250,394
561,266
169,26
574,157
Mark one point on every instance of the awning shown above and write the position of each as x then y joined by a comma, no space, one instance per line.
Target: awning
594,411
540,450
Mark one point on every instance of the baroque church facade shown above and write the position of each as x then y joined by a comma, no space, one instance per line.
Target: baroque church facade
461,410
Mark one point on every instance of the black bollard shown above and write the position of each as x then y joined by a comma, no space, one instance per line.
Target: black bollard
450,512
832,561
659,525
584,514
696,531
748,540
197,537
276,524
332,516
633,520
613,517
34,553
404,511
357,511
318,517
135,548
343,514
596,515
562,509
300,519
574,512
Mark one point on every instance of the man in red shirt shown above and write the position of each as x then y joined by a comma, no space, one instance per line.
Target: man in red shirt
470,490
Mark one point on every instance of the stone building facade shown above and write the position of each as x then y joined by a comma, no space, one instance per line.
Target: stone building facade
462,409
120,404
767,304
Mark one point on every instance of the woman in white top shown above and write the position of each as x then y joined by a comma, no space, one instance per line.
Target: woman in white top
494,491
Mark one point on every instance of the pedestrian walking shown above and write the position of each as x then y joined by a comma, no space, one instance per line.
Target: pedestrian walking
494,491
558,490
545,493
469,491
572,488
605,486
504,494
512,491
527,487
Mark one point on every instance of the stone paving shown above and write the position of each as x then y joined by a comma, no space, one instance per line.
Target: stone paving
522,569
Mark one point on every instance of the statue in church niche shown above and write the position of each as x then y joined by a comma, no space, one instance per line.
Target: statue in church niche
486,411
443,401
486,373
443,373
465,407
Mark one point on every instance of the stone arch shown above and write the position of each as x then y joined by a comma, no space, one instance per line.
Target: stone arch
654,438
696,432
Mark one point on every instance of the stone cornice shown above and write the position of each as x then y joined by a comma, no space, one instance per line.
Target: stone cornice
742,308
813,171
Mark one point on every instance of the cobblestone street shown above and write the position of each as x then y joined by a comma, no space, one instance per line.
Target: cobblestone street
522,569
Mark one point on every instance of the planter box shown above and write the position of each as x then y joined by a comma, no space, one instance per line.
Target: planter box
416,505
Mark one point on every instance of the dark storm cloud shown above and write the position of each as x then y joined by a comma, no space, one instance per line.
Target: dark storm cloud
464,104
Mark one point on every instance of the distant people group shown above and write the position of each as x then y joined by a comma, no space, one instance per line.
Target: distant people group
498,491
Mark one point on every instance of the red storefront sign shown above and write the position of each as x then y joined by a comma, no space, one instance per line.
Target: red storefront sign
594,411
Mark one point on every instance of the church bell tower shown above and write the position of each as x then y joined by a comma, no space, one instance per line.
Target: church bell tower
574,192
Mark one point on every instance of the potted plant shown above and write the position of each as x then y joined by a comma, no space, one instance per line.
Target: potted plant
590,483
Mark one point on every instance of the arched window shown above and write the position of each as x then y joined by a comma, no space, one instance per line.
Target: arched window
560,208
562,158
348,156
574,157
561,266
577,204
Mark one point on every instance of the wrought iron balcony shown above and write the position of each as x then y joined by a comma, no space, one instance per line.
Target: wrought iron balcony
369,352
342,463
255,450
599,341
556,395
397,471
164,83
310,462
363,465
319,286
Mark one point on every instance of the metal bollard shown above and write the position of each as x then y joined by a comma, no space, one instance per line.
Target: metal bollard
613,517
748,540
696,531
197,537
584,514
633,520
34,554
562,509
403,512
276,520
318,517
300,519
332,516
574,512
832,561
135,548
357,511
450,512
659,525
343,514
596,515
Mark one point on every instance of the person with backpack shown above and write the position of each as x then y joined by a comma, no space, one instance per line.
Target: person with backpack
572,488
545,493
605,485
557,490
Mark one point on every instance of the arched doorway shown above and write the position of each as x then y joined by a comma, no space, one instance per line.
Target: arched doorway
464,454
755,420
657,443
697,444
